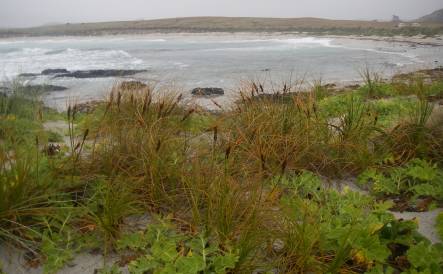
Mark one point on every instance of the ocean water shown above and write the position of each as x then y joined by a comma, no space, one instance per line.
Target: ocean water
207,60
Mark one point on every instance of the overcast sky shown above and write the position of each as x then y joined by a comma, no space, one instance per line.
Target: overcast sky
22,13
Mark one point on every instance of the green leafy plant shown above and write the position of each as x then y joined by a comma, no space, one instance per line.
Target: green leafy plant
319,221
58,246
426,258
417,178
162,250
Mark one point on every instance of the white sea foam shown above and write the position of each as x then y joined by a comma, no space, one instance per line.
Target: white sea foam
277,44
299,40
408,55
34,60
308,41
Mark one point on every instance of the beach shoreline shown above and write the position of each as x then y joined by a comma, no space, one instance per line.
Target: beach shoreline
422,47
422,40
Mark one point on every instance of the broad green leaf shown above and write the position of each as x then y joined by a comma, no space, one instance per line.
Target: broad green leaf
143,264
190,264
222,263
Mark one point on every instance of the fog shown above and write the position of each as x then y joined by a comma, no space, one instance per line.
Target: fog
24,13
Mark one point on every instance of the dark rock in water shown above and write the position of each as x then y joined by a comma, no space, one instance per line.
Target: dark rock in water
330,85
41,88
353,86
99,73
54,71
28,75
132,85
208,91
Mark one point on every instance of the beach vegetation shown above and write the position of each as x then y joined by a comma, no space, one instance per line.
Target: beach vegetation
264,185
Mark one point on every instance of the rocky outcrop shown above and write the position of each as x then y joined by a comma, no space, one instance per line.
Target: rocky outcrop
54,71
93,73
41,88
99,73
28,75
208,91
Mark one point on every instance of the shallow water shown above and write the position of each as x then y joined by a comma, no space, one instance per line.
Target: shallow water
206,60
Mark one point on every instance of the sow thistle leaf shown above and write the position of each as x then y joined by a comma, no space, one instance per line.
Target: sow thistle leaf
371,250
134,241
221,263
378,182
421,170
143,264
57,253
425,256
167,269
165,250
418,177
201,246
428,190
190,264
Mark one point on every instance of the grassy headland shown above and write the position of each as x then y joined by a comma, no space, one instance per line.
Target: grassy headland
250,188
231,24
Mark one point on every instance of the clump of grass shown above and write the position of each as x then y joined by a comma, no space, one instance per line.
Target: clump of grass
373,82
296,134
110,203
25,179
320,90
148,140
142,136
413,138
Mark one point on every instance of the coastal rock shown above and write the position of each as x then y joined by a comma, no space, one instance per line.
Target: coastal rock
54,71
26,75
99,73
132,85
41,88
208,91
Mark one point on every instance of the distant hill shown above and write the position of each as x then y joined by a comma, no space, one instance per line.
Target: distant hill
226,24
436,17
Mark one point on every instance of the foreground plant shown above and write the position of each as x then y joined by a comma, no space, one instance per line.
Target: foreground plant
161,250
417,179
